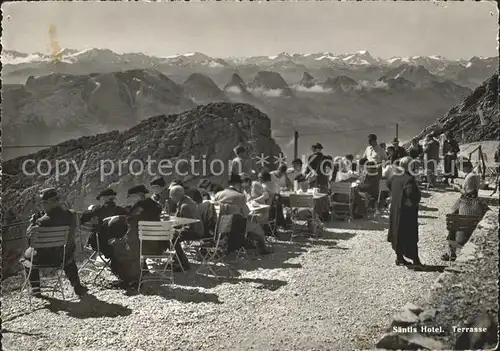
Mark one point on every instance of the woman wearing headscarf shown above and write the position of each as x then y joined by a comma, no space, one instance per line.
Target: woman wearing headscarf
403,217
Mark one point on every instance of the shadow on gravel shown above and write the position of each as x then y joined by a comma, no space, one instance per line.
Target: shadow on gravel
428,268
428,217
209,282
88,307
334,236
426,208
176,293
425,194
20,333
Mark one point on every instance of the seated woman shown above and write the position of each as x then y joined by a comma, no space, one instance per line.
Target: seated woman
345,173
359,200
263,189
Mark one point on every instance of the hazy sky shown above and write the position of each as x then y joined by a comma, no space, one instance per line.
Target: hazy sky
222,29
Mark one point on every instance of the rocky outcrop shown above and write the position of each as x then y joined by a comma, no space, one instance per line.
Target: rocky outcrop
203,89
307,80
476,118
188,146
207,132
270,82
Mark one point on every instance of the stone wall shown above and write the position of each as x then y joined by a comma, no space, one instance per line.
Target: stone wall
464,295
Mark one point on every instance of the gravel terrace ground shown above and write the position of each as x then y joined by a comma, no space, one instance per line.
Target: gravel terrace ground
335,293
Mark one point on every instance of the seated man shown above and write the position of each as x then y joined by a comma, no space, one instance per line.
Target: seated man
186,208
468,205
234,196
193,193
54,216
106,208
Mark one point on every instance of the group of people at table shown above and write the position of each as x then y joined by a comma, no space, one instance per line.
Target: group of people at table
256,196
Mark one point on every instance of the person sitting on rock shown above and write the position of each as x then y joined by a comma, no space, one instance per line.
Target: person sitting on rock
54,216
106,208
467,205
472,181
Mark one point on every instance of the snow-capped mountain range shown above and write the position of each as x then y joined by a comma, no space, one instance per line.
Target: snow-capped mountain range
363,57
361,64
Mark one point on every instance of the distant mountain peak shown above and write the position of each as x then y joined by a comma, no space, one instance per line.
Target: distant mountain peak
307,80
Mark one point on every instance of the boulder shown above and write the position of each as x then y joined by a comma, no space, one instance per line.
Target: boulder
405,318
481,339
427,315
208,133
413,308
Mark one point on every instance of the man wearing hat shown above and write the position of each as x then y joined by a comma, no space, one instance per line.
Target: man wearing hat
315,169
106,208
399,152
126,255
54,216
160,191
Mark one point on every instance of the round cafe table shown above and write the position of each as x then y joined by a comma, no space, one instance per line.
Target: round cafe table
321,201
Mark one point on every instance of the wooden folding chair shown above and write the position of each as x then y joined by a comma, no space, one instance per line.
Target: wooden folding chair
342,209
456,223
94,257
45,238
214,255
300,203
157,231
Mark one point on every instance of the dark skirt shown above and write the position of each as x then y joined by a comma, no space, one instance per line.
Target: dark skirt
450,166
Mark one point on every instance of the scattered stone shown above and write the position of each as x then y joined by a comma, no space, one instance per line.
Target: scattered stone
413,308
484,334
408,341
427,315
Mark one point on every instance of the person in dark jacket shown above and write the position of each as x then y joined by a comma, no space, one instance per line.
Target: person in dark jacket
416,151
431,157
106,208
403,216
186,208
314,171
54,216
450,154
160,191
193,193
399,152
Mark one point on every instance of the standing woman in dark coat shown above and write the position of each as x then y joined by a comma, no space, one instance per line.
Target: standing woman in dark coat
450,153
403,217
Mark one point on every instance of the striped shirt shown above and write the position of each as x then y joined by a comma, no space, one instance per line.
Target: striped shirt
469,206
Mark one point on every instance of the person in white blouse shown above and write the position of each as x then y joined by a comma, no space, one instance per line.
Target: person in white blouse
345,174
374,152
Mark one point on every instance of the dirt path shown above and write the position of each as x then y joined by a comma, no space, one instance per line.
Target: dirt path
336,293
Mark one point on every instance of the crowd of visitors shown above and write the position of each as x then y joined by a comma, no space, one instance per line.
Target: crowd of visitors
257,197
